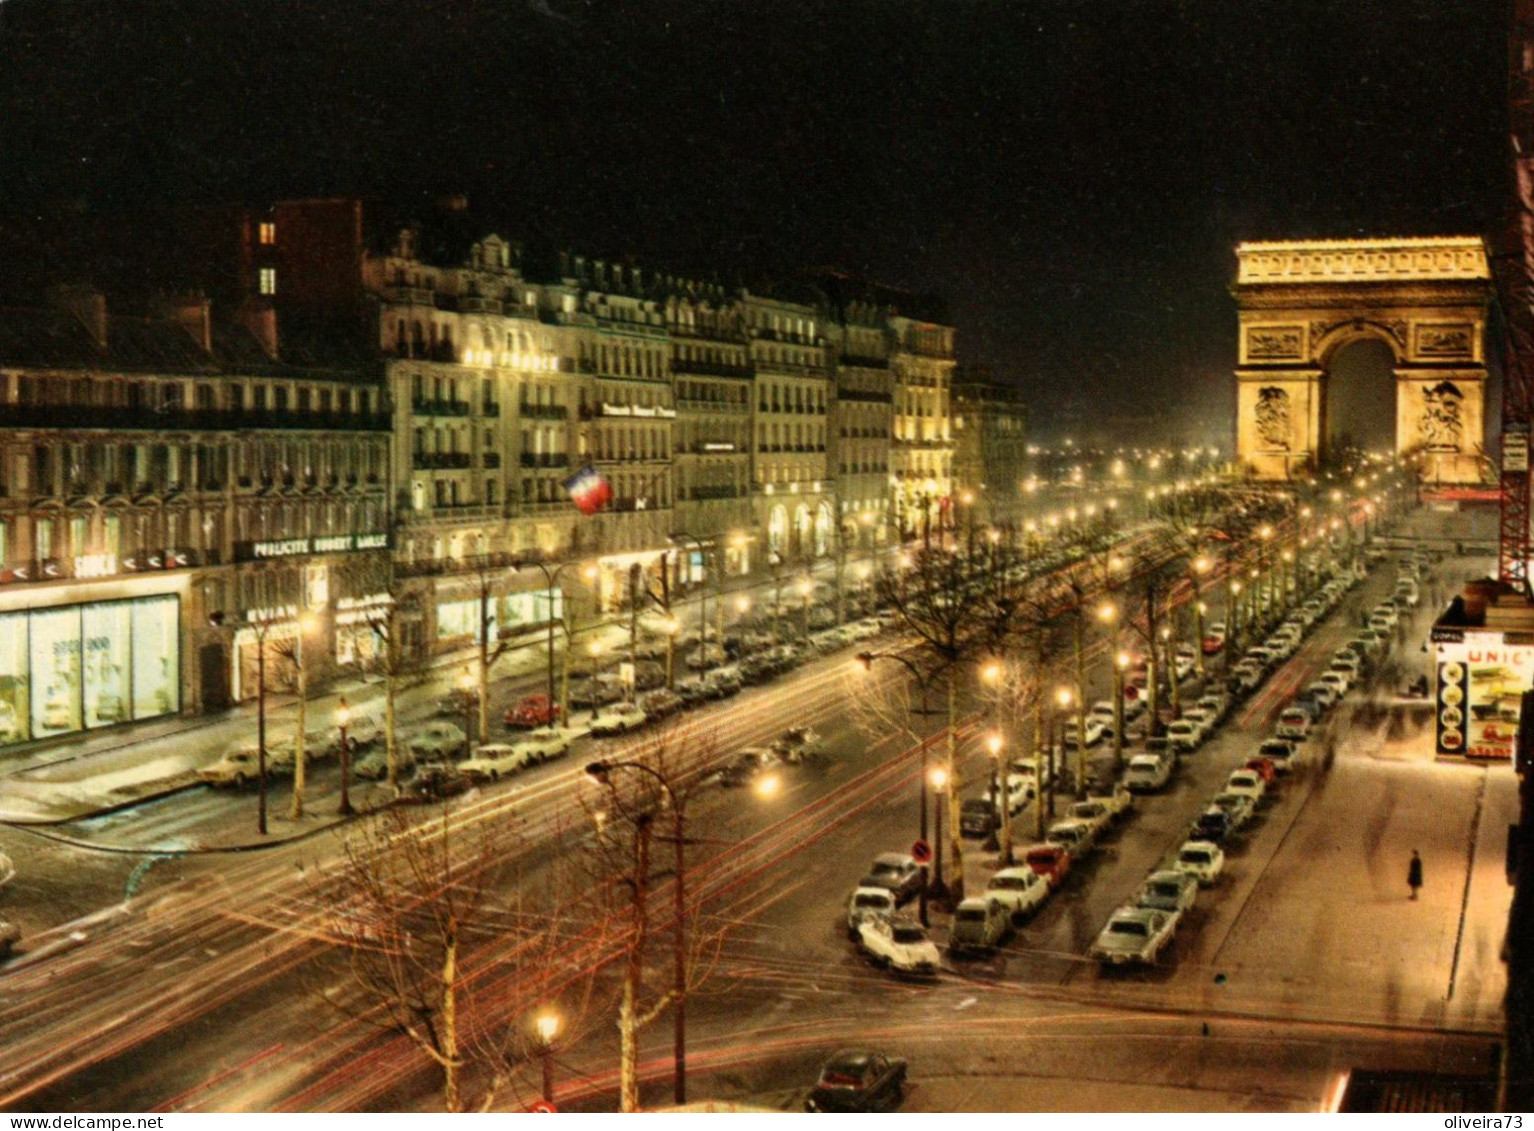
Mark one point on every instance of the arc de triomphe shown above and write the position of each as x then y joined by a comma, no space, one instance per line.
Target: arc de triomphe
1300,302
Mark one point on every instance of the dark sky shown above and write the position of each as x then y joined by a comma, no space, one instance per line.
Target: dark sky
1071,174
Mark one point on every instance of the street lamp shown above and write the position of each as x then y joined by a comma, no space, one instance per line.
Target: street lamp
260,628
865,664
468,684
601,772
939,779
548,1028
343,718
1063,696
993,745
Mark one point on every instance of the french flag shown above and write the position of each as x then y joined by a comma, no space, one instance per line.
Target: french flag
588,490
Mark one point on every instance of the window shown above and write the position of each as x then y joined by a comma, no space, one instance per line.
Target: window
42,548
266,233
267,283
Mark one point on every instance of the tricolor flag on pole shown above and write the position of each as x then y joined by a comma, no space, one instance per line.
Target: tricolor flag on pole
588,490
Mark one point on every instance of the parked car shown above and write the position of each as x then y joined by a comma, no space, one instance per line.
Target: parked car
1019,890
1339,680
436,742
1213,825
1294,722
1185,735
978,817
433,781
868,903
1019,793
1214,638
900,945
857,1080
1264,767
1322,694
1284,754
1201,859
661,704
1094,731
1133,935
1052,861
532,711
1246,782
618,719
980,924
1146,773
374,766
1035,771
494,761
1238,808
896,872
1077,836
1216,703
545,745
237,768
1169,891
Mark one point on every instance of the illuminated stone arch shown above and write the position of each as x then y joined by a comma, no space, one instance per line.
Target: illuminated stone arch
803,531
1298,304
825,524
777,530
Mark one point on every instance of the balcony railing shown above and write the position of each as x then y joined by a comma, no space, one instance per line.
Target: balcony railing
491,459
440,461
545,459
478,304
490,408
863,362
440,408
544,411
717,491
187,420
865,396
685,367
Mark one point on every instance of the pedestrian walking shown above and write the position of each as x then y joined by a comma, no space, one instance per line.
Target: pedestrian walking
1414,873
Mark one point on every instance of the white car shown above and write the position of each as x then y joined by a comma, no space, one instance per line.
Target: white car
1019,890
1019,793
1200,859
1338,680
241,766
1216,703
1146,773
1185,735
868,903
1102,711
361,732
436,741
1294,722
1284,755
1168,891
545,743
1248,783
1034,770
1095,732
1133,934
900,945
618,719
1323,693
494,761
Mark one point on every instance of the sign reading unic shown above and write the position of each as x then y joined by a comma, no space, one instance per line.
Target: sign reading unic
330,544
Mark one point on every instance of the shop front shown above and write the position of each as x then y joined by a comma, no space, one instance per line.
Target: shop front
509,614
76,667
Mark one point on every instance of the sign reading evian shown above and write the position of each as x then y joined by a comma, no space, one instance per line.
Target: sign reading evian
1481,677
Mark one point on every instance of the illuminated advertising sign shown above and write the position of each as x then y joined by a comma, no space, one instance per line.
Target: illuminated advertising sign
1480,680
293,547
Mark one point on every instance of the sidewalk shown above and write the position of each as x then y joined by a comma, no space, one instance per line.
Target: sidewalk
102,773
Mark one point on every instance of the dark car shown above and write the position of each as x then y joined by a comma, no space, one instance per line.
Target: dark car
1213,825
432,782
747,766
859,1080
977,817
897,873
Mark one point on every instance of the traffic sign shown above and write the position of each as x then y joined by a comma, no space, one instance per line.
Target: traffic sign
921,852
1131,692
544,1107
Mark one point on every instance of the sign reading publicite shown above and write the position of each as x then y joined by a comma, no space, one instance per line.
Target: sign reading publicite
292,547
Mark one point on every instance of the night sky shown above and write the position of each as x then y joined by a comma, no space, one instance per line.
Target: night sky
1072,175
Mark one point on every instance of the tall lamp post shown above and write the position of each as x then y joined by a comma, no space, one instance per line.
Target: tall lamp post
548,1029
1120,666
939,778
866,663
601,772
467,683
260,627
683,537
343,719
993,744
1064,697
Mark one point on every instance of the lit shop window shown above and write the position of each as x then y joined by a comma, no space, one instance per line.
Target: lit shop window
268,280
267,233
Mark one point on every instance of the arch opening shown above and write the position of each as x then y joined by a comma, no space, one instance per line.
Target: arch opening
1360,401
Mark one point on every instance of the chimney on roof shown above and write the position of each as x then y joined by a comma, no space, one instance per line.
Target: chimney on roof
191,311
88,305
260,318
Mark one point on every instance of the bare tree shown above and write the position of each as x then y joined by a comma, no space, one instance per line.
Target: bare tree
643,800
449,952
